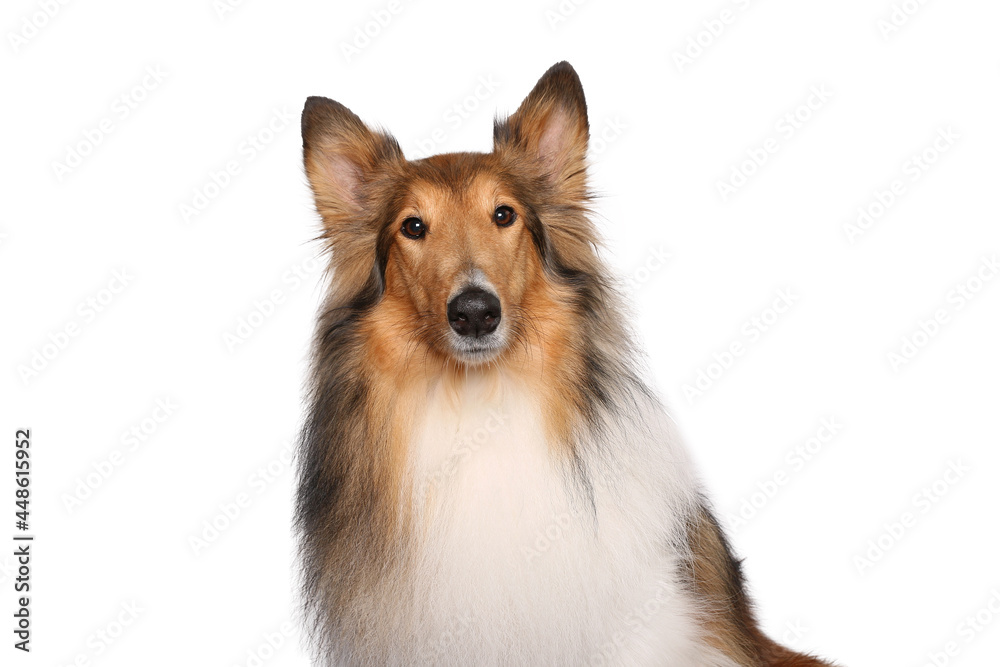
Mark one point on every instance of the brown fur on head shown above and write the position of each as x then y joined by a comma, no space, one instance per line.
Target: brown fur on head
365,190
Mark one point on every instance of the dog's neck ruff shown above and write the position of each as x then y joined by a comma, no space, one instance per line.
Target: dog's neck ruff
526,552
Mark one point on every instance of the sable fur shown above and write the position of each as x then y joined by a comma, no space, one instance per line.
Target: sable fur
374,533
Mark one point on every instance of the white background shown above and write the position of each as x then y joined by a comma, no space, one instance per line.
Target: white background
672,131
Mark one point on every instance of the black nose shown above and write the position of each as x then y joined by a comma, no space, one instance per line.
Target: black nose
474,312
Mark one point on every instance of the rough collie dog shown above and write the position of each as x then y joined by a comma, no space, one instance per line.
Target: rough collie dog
484,476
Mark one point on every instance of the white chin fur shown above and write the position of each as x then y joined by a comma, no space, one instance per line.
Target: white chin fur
516,563
478,351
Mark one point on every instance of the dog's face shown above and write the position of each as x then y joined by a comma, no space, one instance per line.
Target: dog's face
456,246
462,257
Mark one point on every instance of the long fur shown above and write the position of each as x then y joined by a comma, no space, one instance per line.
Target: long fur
536,509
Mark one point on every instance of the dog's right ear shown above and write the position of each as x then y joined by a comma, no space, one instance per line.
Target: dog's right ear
342,158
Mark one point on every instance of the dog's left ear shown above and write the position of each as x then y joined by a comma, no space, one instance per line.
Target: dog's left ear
550,128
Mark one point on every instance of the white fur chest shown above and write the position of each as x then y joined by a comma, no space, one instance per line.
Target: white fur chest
524,557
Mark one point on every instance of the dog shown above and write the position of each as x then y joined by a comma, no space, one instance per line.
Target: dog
484,475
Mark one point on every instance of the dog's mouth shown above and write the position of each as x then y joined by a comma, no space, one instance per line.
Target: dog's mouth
477,351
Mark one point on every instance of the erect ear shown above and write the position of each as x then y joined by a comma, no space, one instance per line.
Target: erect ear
342,157
550,127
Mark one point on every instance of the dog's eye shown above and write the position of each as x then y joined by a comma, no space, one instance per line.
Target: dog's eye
504,216
414,228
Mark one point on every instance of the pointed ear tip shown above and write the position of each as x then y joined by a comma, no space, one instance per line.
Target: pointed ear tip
316,104
316,101
321,114
563,70
562,81
562,66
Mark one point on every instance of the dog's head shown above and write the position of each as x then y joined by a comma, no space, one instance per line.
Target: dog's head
459,251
